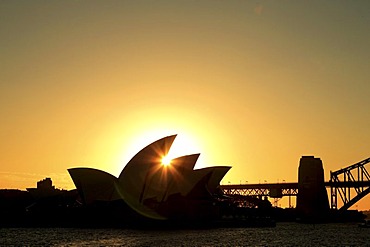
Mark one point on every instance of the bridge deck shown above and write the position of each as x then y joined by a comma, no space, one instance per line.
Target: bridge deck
293,185
260,186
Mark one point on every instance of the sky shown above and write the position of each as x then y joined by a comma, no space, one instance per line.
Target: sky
250,84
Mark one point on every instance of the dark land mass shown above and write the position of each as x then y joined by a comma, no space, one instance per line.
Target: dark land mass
62,208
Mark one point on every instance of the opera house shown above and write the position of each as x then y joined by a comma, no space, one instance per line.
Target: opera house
153,190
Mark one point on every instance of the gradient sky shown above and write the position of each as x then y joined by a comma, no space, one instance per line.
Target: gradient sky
251,84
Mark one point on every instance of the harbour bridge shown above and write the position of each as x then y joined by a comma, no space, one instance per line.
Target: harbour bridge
351,184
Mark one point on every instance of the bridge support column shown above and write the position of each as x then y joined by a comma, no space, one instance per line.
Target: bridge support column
312,199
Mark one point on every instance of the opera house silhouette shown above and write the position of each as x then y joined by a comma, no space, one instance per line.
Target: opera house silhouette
152,190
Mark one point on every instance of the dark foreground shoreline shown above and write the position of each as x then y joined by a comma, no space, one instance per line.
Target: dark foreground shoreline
87,218
20,209
93,218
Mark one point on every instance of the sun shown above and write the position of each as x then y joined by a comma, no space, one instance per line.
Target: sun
184,144
166,161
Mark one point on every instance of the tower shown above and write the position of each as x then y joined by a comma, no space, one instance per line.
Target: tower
312,199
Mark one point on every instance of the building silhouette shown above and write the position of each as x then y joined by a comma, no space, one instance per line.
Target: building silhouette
153,190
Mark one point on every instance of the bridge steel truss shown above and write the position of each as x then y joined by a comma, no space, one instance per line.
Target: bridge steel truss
352,178
275,191
267,189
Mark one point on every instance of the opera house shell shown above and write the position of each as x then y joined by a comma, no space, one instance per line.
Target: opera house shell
153,190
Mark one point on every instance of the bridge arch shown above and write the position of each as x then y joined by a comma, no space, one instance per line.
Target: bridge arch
352,178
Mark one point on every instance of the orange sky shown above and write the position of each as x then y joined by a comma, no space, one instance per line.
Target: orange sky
251,84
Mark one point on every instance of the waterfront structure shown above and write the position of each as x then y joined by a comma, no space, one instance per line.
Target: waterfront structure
349,184
312,199
44,188
94,185
152,189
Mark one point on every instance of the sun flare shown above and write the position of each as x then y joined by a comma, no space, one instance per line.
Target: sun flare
166,161
184,144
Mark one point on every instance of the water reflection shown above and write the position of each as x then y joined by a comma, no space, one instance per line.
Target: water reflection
285,234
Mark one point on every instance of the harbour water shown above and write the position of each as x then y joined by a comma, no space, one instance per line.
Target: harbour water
284,234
